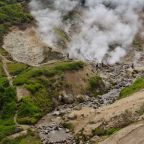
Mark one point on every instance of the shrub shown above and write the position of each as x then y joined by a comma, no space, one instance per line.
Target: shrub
96,86
99,132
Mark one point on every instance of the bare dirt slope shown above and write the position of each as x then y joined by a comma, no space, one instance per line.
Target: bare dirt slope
133,134
90,119
25,46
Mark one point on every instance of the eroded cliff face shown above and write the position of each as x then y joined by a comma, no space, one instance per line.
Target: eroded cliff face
25,46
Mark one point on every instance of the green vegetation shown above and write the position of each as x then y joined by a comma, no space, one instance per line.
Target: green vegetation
16,68
44,83
7,110
4,81
47,71
96,86
28,112
136,86
11,13
103,132
30,138
2,74
68,126
4,53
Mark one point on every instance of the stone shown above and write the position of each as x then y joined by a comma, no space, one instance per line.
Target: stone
67,98
72,116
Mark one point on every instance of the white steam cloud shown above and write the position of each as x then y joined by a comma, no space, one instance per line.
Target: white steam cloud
98,30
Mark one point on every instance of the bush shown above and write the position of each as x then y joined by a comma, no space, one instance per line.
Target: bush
99,132
8,102
96,86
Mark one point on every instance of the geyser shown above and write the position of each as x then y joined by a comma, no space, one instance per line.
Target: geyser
89,30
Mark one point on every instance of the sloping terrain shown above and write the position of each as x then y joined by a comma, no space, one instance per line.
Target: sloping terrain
133,134
112,115
48,98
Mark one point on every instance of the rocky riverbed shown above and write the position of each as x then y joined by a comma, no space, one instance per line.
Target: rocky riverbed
117,77
53,133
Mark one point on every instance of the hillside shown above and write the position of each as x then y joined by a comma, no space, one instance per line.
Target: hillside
55,92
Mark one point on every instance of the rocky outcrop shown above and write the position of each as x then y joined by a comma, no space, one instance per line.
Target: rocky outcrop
24,46
27,47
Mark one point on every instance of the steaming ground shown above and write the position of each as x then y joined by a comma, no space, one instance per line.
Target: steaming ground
94,30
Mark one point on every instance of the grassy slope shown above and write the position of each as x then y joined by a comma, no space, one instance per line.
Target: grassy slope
44,83
11,13
30,138
136,86
7,109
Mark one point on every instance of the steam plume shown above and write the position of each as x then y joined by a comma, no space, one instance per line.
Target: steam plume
97,30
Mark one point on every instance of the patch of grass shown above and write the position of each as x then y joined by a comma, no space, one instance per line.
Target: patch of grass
33,107
68,126
136,86
4,53
4,82
11,13
47,71
7,110
2,74
34,87
30,138
16,68
7,102
28,111
104,132
96,86
6,130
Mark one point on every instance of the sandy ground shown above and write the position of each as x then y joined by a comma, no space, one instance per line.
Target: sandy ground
89,118
133,134
78,79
